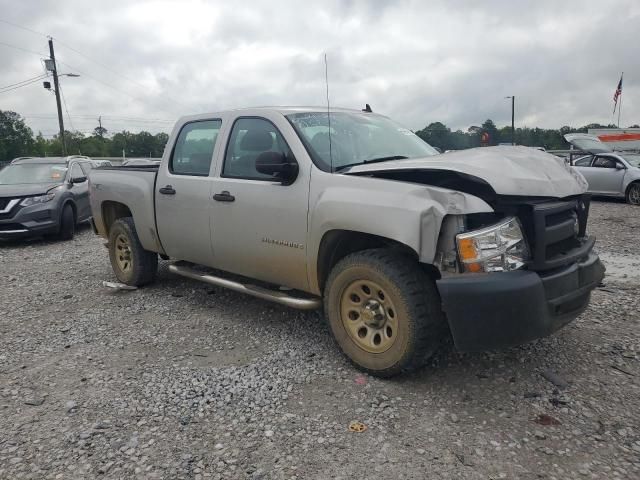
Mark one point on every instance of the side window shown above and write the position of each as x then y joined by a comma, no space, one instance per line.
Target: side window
249,138
76,171
604,162
583,162
193,151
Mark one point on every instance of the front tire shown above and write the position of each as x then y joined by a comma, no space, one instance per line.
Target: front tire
633,194
132,264
384,311
67,223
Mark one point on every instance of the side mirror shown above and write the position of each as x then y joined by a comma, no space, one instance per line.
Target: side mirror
78,180
619,166
278,166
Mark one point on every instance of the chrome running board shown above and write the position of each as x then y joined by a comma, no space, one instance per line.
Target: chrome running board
282,298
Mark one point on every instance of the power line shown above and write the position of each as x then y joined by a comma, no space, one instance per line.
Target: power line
20,86
98,80
24,81
115,72
22,27
65,106
87,118
24,49
92,116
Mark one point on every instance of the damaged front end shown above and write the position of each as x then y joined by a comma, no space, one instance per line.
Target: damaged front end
512,297
522,271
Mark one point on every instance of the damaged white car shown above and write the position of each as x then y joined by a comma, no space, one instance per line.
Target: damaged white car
609,173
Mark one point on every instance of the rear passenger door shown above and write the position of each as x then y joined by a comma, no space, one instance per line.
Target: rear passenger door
259,225
182,192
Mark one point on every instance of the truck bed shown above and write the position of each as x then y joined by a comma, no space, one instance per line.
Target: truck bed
124,188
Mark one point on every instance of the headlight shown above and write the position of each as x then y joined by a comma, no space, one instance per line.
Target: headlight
36,200
498,248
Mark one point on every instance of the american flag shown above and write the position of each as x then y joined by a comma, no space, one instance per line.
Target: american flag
617,94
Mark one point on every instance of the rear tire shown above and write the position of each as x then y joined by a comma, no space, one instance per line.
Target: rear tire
384,312
132,264
67,223
633,194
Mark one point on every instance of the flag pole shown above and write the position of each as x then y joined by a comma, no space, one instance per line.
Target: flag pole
620,107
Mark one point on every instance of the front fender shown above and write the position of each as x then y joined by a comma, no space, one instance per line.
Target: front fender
407,213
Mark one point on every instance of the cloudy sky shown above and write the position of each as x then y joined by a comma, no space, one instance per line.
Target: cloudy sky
142,64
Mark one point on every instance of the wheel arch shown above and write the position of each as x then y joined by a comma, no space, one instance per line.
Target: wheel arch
69,201
112,211
631,184
337,244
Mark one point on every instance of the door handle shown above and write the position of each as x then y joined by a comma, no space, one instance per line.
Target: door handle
168,190
224,197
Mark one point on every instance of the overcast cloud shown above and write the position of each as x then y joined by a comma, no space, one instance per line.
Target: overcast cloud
416,61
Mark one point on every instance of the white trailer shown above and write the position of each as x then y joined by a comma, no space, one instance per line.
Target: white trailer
618,138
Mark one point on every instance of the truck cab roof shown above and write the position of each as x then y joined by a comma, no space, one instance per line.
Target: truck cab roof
283,110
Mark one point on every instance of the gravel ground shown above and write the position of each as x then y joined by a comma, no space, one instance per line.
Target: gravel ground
182,380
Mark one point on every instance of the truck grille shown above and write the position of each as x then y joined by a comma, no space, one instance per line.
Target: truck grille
556,232
4,202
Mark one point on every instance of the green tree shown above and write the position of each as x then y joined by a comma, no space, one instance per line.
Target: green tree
16,139
436,134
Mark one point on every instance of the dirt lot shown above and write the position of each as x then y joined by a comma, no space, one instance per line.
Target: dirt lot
182,380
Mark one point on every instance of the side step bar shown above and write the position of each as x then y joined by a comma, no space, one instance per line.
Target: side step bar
272,295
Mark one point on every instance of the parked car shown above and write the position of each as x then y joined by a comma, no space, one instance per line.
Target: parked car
360,215
609,173
44,196
101,163
140,162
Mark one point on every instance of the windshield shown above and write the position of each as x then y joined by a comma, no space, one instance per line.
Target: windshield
32,173
356,138
632,159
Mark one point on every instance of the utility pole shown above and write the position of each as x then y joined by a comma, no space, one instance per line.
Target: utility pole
56,85
513,126
513,118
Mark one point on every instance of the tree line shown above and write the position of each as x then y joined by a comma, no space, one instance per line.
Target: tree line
439,135
17,139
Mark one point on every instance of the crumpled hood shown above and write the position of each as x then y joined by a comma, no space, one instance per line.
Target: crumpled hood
26,189
508,170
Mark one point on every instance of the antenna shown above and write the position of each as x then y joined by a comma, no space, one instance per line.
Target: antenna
326,81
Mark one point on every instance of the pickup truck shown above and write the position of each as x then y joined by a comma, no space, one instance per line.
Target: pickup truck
347,210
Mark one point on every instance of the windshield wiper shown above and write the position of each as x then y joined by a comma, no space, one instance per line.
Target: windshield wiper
371,160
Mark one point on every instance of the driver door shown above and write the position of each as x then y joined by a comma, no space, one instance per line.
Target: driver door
259,225
606,176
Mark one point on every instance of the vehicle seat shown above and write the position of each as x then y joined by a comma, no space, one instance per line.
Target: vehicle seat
256,142
329,149
199,163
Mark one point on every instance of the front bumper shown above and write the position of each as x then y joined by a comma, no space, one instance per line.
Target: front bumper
30,221
495,310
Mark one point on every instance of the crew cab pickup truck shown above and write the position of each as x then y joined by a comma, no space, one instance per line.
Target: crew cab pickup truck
349,211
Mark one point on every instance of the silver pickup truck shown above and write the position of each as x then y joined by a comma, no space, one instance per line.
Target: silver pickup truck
349,211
